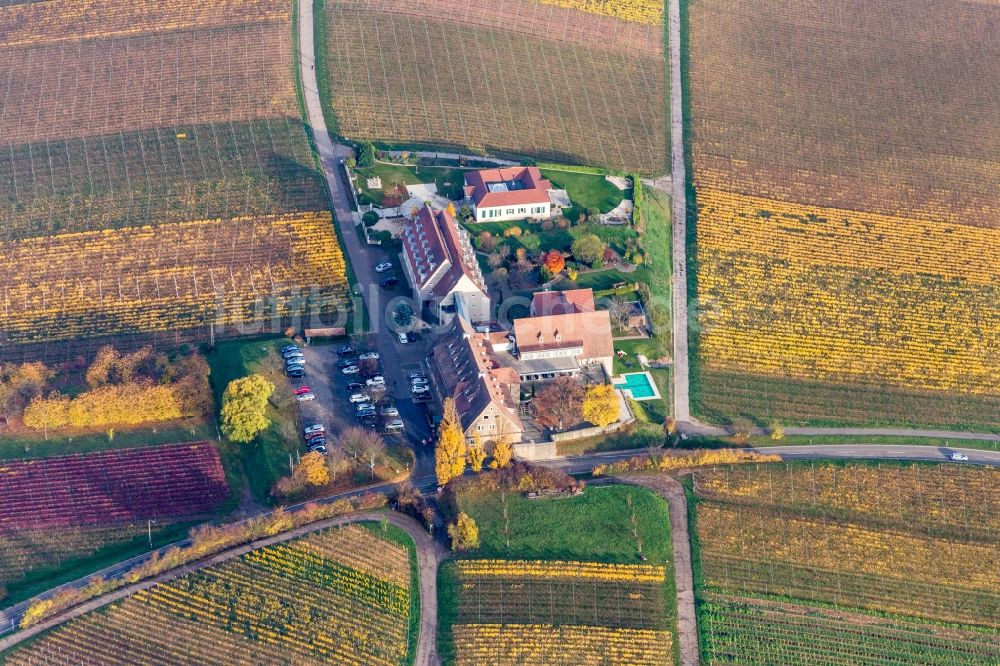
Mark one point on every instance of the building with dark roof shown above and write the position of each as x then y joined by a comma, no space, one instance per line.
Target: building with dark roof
466,369
441,265
509,193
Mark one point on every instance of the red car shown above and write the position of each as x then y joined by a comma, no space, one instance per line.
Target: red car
302,389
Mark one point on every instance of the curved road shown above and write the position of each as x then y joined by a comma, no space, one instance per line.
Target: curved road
429,555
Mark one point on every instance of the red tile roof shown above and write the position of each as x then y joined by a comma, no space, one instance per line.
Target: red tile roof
562,302
535,188
590,330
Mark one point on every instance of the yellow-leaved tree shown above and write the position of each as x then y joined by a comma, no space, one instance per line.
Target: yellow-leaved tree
477,454
449,456
464,532
600,404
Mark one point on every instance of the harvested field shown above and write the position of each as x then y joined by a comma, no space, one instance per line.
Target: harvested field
847,233
391,81
104,86
36,22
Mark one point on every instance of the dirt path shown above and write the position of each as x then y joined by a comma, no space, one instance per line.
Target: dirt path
429,553
671,490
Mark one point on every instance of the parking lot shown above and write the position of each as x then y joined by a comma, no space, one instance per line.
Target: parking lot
333,388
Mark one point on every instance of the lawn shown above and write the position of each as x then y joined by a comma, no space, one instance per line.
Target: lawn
586,191
449,180
593,527
266,459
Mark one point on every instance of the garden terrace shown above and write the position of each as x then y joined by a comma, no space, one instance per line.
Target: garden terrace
390,82
109,487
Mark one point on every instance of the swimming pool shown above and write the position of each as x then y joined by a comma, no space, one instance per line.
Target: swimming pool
640,385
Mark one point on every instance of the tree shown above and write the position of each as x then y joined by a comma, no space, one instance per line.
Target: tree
464,533
243,408
372,450
476,453
313,469
354,440
49,412
589,249
554,261
600,404
366,158
450,454
403,314
559,402
620,312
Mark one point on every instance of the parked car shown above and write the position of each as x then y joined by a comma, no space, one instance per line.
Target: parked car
373,355
344,362
383,267
359,397
302,389
288,348
377,380
354,387
395,425
351,370
401,336
959,457
389,282
389,410
305,397
315,427
345,350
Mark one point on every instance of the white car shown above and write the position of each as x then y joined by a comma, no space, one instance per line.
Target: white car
959,457
377,380
401,336
359,397
351,370
373,355
383,267
305,397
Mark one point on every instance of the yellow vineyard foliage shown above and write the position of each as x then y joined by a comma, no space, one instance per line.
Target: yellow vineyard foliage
754,536
822,293
503,644
72,20
170,277
638,573
639,11
701,458
910,495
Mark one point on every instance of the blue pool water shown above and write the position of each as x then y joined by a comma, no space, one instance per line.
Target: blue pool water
638,383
